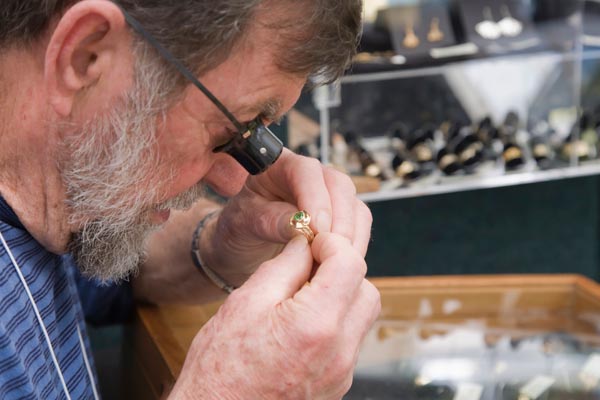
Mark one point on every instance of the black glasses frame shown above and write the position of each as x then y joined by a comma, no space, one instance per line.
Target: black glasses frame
254,146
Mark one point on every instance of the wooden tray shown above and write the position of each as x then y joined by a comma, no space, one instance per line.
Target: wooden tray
529,303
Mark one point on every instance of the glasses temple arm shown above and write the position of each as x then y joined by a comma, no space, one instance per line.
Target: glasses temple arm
181,68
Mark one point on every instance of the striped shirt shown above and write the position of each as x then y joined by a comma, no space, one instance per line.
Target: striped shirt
27,370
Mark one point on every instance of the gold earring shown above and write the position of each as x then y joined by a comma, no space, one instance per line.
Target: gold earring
410,39
435,33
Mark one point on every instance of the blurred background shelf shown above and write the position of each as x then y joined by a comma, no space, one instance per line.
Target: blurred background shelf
485,220
466,183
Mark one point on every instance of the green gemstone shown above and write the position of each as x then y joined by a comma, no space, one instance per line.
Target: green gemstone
299,216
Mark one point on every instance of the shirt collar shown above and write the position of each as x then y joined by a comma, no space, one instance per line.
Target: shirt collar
8,216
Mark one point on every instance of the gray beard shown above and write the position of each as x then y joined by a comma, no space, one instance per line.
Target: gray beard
111,174
110,251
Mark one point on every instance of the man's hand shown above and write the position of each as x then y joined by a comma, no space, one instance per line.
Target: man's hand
277,338
252,228
254,225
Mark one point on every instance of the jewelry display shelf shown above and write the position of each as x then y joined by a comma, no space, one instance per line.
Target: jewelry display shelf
461,80
330,97
407,73
492,308
476,182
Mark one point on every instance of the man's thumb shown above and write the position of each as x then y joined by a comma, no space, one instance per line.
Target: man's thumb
280,278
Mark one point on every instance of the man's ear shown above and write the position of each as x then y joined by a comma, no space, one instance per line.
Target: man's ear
91,43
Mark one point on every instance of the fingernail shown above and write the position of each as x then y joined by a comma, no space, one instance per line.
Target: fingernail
323,222
297,244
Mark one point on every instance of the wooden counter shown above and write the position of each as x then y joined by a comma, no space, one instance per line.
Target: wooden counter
163,334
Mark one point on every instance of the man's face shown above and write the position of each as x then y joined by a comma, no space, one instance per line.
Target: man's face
126,169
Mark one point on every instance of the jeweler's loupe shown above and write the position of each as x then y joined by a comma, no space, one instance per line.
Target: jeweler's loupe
256,149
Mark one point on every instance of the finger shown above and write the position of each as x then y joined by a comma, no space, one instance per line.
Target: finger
362,314
342,193
255,218
298,180
262,219
362,227
360,319
340,272
280,278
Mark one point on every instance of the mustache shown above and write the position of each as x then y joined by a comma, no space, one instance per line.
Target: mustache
184,200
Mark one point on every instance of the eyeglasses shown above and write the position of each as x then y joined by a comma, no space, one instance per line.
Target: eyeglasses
254,146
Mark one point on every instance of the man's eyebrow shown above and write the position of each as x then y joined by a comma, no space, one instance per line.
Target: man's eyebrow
269,110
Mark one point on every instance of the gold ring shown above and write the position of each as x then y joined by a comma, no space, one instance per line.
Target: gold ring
300,221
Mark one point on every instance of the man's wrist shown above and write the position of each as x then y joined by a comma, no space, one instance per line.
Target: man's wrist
214,251
201,263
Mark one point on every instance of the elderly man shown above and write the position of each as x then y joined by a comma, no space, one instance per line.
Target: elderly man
107,141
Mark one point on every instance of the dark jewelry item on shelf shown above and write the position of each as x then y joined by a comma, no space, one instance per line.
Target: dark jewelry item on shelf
302,150
471,154
435,34
450,130
339,152
579,145
590,136
421,145
448,162
423,153
589,133
513,156
405,168
368,164
511,124
411,40
509,26
488,28
486,131
469,149
398,138
542,152
577,149
489,136
309,148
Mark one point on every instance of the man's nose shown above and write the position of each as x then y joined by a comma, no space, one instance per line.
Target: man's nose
226,176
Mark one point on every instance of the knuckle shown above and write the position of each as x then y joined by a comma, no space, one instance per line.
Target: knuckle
342,374
334,243
321,334
301,167
346,230
265,223
269,265
364,212
349,257
371,291
344,182
346,363
359,264
373,295
353,261
312,163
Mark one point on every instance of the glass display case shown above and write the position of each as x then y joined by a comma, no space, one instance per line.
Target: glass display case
498,337
483,338
459,95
